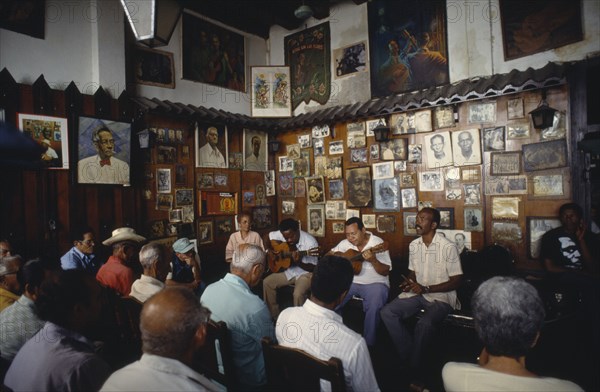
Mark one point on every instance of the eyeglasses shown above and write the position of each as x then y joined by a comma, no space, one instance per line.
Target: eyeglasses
88,242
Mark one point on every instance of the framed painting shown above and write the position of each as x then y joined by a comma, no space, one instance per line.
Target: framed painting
359,186
408,45
212,54
211,146
52,134
104,151
387,194
316,220
336,189
205,231
525,30
262,218
25,17
255,150
315,187
466,147
545,155
308,53
537,226
153,67
271,95
351,59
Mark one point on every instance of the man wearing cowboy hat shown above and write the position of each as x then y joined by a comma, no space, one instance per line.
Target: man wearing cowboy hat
116,273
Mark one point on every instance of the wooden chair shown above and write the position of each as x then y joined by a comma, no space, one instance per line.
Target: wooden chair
290,369
215,359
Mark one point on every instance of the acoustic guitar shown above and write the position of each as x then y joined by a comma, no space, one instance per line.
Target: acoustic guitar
282,255
357,258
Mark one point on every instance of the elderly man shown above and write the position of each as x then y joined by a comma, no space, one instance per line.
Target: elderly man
185,266
117,273
81,255
5,248
61,356
248,319
508,315
173,326
153,258
103,168
297,327
10,288
209,155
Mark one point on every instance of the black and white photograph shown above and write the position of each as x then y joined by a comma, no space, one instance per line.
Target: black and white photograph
514,108
453,194
548,185
506,232
387,195
461,238
175,215
335,209
166,154
494,139
517,131
180,174
415,153
333,170
211,146
286,164
409,220
424,204
163,180
293,151
393,150
374,152
336,147
320,131
472,194
255,150
372,124
399,166
206,181
438,147
350,59
444,117
270,182
316,190
338,227
316,220
505,163
446,218
423,121
431,181
164,202
409,197
466,147
356,139
318,147
482,112
544,155
321,165
205,231
358,155
304,141
369,220
537,226
356,127
452,177
399,124
408,179
299,187
470,174
383,170
473,219
221,179
302,165
288,207
184,197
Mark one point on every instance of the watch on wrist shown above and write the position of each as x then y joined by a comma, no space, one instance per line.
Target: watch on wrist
426,288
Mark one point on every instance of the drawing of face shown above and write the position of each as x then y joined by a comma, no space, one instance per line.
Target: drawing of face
360,188
315,220
465,142
105,144
437,146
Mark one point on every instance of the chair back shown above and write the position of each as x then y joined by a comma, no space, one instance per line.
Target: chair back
215,359
127,314
290,369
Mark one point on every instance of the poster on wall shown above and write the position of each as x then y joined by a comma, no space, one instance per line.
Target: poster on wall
271,95
408,45
308,55
52,134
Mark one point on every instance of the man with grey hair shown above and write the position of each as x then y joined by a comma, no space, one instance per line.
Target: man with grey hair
10,288
153,258
248,319
508,315
173,326
103,168
209,155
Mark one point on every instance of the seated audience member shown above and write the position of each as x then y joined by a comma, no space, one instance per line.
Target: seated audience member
5,248
10,288
81,255
296,325
117,273
173,326
508,314
243,236
153,258
185,267
20,321
246,315
61,356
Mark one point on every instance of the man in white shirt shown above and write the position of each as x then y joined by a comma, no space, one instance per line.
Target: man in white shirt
103,168
153,258
209,154
254,161
296,326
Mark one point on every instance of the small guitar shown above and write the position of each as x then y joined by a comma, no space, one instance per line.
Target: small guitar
282,256
357,258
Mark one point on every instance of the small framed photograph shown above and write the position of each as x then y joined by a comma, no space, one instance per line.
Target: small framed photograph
494,139
386,223
351,213
224,226
211,146
255,150
236,160
517,131
374,152
339,227
443,117
271,95
453,194
446,218
318,147
334,168
424,204
514,108
336,189
221,180
409,220
472,194
286,164
505,207
270,182
358,155
351,59
473,218
163,180
262,218
359,186
503,232
335,209
409,198
537,226
304,141
369,221
205,231
415,153
164,202
52,134
188,214
336,147
286,184
166,154
408,179
184,197
320,131
497,185
399,124
394,149
383,170
175,215
356,127
466,147
153,67
248,198
315,216
423,121
288,207
299,187
438,147
558,129
431,181
387,194
206,181
293,151
302,165
505,163
470,174
356,139
321,166
517,185
452,177
482,112
399,166
545,155
315,187
372,124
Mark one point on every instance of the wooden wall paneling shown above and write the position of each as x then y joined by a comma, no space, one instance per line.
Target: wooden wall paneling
42,97
9,96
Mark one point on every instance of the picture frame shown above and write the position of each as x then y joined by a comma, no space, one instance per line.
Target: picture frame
537,226
446,217
554,184
545,155
386,223
356,138
293,151
505,163
90,167
315,188
438,148
415,153
321,165
557,130
473,219
494,139
466,147
206,181
409,197
506,185
221,179
399,167
181,174
248,199
336,189
163,180
188,214
305,141
482,112
506,232
334,167
184,197
374,152
175,215
51,132
461,238
383,170
387,194
164,202
224,226
453,194
336,147
236,160
505,207
452,177
374,123
422,121
205,232
518,130
444,117
514,108
338,227
155,229
153,67
271,95
431,181
255,150
288,207
352,213
409,220
299,187
400,125
270,182
470,174
369,220
408,179
210,153
320,131
350,60
472,194
394,150
335,209
358,155
286,184
166,154
359,186
262,218
202,54
315,218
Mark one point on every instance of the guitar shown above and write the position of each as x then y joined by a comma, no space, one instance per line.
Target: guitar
282,256
357,258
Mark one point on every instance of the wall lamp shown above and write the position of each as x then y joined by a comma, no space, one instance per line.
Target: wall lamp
543,115
381,133
274,146
146,138
152,21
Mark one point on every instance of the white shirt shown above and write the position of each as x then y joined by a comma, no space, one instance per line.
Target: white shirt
89,170
368,275
145,287
306,242
255,163
322,333
154,373
434,265
210,157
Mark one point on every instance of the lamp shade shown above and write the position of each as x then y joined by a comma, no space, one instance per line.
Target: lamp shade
274,146
381,133
152,21
543,116
303,12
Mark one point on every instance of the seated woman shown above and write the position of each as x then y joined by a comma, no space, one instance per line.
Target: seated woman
508,315
244,236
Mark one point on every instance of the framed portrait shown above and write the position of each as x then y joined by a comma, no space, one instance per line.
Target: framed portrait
212,54
446,217
52,134
315,216
505,163
299,187
517,131
320,131
211,146
470,174
503,232
505,207
443,117
288,207
359,186
386,223
409,220
494,139
399,166
473,219
164,202
482,112
374,123
351,59
369,221
315,187
383,170
409,198
514,108
271,95
358,155
304,141
153,67
338,227
255,150
184,197
374,152
521,19
423,121
438,147
431,181
175,215
408,179
387,194
224,226
415,152
336,189
544,155
334,167
550,184
466,147
205,231
286,184
472,194
399,124
104,151
163,180
537,226
262,218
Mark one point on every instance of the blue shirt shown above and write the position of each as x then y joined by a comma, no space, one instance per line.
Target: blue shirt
248,321
18,323
75,259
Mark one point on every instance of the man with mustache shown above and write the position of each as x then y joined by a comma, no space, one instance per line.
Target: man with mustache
359,187
434,273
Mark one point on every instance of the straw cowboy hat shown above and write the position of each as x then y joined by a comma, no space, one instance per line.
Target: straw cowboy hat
123,234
